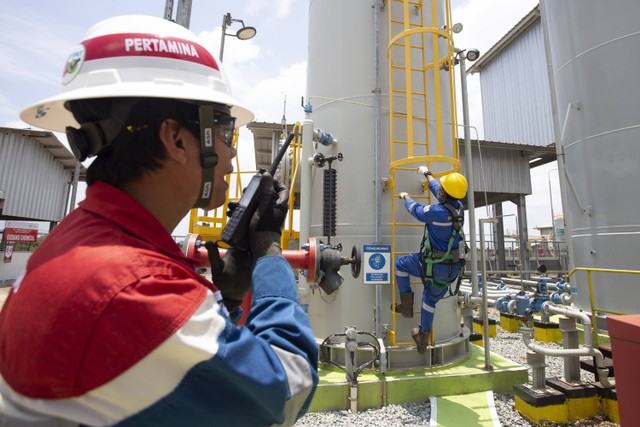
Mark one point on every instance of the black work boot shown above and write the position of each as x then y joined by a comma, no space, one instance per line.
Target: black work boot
421,338
406,305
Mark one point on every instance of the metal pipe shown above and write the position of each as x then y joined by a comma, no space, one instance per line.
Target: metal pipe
168,10
226,21
183,15
377,142
485,309
74,187
471,203
586,350
519,281
570,339
582,351
494,293
480,300
567,298
553,218
306,160
533,272
570,312
489,294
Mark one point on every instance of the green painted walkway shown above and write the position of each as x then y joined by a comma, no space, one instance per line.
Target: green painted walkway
468,410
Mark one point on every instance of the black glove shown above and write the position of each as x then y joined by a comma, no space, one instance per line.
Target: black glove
265,227
231,206
231,274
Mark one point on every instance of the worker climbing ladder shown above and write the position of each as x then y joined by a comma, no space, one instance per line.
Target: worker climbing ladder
422,119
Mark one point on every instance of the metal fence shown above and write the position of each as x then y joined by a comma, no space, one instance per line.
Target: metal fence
553,254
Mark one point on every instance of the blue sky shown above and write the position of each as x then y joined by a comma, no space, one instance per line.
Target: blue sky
37,35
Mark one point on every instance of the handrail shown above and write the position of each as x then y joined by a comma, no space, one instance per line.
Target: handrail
289,231
594,309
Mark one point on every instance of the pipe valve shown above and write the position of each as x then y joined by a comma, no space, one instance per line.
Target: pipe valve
321,262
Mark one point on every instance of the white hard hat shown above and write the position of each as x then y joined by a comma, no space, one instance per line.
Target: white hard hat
136,56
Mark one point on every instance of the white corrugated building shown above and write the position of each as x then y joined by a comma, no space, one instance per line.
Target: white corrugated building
36,175
37,178
517,109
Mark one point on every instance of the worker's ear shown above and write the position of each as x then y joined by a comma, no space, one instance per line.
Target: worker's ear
173,143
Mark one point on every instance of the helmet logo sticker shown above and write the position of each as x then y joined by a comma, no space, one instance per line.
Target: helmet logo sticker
208,140
41,111
147,45
73,65
206,190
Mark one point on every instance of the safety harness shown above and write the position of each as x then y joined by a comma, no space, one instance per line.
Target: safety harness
430,256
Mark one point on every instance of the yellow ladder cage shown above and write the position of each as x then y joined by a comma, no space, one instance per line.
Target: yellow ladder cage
422,119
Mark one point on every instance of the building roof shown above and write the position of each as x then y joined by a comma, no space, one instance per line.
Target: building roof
531,18
538,155
52,144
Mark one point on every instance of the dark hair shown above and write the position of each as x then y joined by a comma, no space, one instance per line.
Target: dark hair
136,148
449,197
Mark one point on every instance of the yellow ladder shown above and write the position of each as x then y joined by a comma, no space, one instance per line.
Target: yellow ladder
422,131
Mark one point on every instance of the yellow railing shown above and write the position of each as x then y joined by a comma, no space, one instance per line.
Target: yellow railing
289,233
422,127
595,309
210,226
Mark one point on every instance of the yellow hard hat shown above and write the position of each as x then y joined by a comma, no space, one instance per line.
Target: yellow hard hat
455,184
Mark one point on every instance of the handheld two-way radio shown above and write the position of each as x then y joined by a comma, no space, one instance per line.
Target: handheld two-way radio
236,232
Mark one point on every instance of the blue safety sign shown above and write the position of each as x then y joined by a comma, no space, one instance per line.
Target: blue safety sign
377,264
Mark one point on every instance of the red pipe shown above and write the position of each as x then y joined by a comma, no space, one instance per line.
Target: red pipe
299,259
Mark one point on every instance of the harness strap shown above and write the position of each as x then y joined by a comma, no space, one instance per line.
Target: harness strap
430,256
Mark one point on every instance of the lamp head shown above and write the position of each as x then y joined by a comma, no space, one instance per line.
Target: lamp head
246,33
473,54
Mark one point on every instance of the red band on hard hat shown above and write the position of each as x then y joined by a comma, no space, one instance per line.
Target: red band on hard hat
151,45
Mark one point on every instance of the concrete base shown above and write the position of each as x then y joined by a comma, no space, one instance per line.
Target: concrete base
608,403
546,331
476,338
377,389
511,322
478,327
582,400
540,405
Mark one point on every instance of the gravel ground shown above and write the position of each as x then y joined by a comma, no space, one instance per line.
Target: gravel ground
508,345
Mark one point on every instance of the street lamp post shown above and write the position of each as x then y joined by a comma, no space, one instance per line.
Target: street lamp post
461,57
244,33
553,218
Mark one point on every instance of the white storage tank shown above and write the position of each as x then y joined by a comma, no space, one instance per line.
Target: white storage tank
340,88
593,46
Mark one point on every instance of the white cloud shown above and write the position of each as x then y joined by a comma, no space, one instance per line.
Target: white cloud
235,51
17,124
6,106
282,8
486,21
267,96
36,40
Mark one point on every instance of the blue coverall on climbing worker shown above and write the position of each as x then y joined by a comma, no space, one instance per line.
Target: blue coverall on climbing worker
439,227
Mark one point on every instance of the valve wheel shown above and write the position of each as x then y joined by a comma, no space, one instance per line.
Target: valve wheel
356,261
